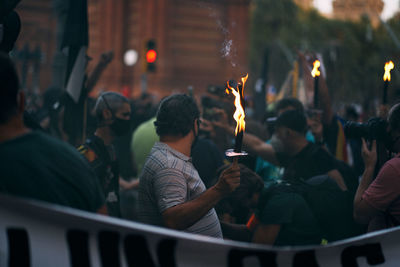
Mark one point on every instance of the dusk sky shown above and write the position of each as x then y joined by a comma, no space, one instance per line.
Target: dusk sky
391,6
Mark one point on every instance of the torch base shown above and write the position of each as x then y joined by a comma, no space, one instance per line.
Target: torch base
230,153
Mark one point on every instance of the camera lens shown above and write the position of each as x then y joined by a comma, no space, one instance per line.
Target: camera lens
356,130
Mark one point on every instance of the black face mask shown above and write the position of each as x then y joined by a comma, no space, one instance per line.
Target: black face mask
120,126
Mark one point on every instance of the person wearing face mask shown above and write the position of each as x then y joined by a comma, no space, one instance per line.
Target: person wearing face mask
113,113
377,201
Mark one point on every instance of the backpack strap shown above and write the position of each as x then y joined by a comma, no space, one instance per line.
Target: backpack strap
87,152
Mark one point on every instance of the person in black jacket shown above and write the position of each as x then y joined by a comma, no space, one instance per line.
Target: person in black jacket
113,112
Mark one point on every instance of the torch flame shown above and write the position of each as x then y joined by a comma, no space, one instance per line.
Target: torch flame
239,112
315,71
388,67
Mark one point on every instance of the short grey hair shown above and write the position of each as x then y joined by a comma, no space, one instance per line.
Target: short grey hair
109,100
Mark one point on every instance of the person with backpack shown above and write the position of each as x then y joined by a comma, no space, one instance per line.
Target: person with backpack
328,199
283,218
287,214
113,112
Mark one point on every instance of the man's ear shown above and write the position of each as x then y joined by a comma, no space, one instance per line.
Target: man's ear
21,102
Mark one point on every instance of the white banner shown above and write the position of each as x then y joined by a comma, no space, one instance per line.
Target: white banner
37,234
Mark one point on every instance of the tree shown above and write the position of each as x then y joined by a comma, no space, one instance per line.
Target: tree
354,52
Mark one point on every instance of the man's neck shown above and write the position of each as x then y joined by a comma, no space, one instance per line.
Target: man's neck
180,144
105,134
12,129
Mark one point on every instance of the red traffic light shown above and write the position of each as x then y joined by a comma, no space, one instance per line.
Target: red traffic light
151,56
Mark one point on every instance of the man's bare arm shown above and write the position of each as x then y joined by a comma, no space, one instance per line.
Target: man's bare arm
105,59
238,232
185,215
266,234
363,212
257,146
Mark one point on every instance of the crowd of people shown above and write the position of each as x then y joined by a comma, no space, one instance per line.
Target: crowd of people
311,176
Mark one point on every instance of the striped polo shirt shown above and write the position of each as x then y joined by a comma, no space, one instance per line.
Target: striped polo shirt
168,178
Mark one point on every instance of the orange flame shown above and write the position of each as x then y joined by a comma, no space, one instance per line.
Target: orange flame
388,67
315,71
239,112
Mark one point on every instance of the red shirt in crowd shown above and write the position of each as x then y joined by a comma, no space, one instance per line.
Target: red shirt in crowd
384,195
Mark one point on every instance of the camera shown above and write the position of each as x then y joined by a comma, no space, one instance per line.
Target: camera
374,129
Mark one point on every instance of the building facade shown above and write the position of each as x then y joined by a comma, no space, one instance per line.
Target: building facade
198,43
36,44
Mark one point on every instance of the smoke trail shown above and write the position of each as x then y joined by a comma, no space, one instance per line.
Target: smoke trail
228,50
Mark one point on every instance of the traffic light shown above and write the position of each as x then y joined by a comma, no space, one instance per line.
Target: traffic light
151,55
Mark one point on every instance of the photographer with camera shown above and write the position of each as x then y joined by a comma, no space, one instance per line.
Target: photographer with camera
377,201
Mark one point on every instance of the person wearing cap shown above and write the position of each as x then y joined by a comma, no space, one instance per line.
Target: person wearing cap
269,172
301,158
171,193
290,148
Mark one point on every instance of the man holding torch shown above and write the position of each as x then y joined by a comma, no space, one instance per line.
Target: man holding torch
171,193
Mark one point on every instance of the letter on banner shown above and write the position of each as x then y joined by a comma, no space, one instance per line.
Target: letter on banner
373,253
18,247
266,258
138,254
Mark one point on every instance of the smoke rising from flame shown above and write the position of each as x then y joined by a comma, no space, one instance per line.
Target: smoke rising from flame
228,50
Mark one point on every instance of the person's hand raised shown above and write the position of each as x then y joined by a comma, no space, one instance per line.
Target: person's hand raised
369,155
